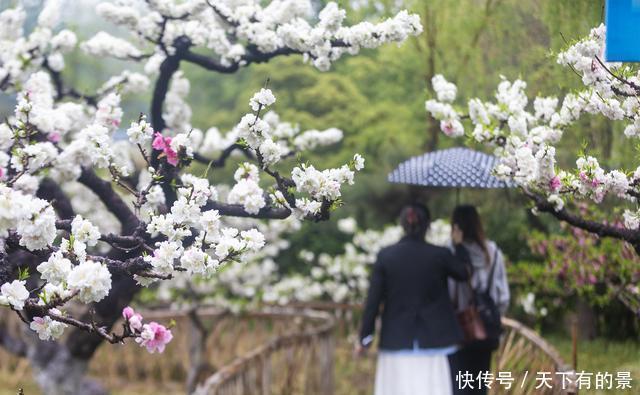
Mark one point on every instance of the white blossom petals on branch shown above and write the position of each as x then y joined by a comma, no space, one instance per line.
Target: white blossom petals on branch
104,44
32,218
47,328
526,136
56,269
14,294
262,99
140,132
312,139
91,279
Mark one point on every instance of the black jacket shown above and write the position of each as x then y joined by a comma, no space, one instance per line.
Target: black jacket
410,279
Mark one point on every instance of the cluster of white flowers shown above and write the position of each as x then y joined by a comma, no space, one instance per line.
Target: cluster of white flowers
185,215
14,294
21,54
46,328
140,132
525,139
56,269
33,219
91,279
261,99
442,109
229,28
241,285
323,185
104,44
247,191
312,139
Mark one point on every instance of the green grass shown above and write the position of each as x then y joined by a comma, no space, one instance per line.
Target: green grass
602,355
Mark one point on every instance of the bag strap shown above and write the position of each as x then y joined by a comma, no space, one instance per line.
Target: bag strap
493,268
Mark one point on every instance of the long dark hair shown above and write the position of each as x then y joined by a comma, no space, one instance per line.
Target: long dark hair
415,219
469,222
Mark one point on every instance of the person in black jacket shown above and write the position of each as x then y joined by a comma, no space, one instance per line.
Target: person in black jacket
419,326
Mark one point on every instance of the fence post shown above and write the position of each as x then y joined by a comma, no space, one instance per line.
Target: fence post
266,374
326,363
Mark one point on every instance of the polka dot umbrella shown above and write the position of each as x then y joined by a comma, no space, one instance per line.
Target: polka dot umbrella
449,168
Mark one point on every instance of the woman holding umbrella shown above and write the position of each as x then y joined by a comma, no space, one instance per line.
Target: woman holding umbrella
419,327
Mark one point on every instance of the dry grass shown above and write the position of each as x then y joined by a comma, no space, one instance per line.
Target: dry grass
129,370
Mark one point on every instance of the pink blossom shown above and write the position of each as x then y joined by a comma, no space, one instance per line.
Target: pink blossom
583,176
154,337
127,312
555,184
447,127
161,143
172,156
135,322
134,319
54,137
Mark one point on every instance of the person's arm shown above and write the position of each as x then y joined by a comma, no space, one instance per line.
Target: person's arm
458,265
503,295
372,305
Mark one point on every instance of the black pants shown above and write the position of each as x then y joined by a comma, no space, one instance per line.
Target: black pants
473,359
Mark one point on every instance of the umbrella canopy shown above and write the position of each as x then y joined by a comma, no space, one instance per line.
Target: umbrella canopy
449,168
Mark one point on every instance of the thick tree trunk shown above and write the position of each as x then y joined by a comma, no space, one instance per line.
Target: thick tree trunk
198,335
57,372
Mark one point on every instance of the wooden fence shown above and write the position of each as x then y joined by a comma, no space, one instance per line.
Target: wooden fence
525,355
284,351
296,362
522,354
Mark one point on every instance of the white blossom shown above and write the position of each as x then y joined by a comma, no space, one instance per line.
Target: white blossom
14,294
47,328
84,231
263,98
56,269
91,279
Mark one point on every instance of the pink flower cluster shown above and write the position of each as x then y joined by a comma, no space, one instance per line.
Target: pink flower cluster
555,184
153,336
162,143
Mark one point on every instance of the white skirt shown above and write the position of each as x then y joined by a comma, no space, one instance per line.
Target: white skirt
407,373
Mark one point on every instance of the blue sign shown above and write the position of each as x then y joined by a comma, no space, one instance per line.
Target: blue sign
623,31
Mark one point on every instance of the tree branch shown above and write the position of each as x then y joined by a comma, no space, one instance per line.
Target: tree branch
598,228
111,199
237,210
221,160
51,191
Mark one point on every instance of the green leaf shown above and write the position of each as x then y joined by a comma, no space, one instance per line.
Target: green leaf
23,273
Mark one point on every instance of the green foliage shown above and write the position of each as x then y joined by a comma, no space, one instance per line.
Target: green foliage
574,266
23,273
576,263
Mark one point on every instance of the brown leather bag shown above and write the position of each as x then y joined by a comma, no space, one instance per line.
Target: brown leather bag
471,324
470,321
